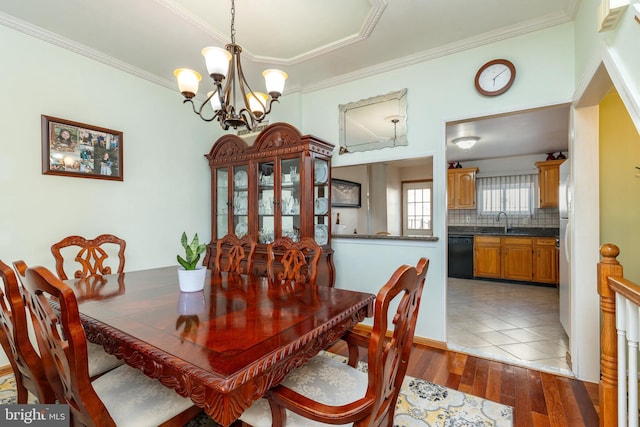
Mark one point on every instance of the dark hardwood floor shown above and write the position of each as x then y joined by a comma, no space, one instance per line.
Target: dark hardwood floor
538,398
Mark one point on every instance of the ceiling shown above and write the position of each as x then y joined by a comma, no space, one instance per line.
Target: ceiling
318,43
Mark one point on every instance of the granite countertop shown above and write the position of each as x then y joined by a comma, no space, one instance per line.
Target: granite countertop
383,237
499,231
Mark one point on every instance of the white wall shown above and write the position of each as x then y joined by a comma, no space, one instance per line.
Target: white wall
439,91
166,178
618,51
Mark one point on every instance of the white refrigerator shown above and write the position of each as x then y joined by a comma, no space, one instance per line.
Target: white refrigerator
564,247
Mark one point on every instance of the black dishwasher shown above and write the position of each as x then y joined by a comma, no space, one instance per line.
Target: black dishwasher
460,256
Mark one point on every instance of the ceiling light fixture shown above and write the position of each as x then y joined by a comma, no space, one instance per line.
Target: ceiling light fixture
254,106
394,119
466,142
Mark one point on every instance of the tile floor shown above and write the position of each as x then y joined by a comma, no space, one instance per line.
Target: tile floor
507,322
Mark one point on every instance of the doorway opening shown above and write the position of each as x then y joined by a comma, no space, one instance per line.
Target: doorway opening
507,321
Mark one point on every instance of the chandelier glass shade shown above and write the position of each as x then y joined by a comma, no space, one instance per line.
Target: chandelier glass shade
225,69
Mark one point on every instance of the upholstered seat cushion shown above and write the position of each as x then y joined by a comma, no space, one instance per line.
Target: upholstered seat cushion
135,400
325,379
99,360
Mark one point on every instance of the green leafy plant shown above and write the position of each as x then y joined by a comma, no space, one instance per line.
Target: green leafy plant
193,251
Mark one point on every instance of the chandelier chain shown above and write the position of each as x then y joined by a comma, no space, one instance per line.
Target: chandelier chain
233,22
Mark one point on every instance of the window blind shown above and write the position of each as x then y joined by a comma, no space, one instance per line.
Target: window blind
514,194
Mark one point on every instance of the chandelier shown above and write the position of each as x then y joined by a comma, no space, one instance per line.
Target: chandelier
224,67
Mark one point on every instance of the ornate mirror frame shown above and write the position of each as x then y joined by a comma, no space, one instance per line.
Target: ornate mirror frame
374,123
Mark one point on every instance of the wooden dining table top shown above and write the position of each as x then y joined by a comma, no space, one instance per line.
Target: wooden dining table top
223,347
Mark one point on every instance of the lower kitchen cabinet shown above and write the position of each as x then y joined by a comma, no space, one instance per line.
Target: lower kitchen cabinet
487,257
546,260
527,259
518,262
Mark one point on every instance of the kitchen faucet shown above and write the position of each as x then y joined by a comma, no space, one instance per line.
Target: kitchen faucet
506,221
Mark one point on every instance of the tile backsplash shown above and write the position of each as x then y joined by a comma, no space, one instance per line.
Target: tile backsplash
542,218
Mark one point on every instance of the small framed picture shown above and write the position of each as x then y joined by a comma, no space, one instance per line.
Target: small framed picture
345,194
80,150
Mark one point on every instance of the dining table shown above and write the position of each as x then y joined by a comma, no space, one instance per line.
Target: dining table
222,347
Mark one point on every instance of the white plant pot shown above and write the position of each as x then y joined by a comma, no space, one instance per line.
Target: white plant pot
192,280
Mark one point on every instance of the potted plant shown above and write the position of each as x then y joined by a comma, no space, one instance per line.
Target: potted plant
191,276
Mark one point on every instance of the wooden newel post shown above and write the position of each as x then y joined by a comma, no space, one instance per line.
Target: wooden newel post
608,266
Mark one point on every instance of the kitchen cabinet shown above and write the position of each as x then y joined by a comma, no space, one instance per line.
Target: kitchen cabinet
461,188
487,256
549,182
279,186
545,259
517,258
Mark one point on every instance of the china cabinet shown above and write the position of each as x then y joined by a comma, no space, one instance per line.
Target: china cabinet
279,186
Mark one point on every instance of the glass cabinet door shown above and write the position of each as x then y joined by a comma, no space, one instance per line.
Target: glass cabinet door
290,198
266,202
222,202
322,201
240,200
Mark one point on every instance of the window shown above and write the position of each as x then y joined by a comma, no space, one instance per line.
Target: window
417,208
514,194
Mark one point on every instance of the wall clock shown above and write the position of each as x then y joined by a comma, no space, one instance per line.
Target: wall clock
495,77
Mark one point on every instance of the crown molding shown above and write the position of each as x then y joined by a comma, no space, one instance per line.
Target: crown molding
192,19
470,43
460,46
80,49
378,7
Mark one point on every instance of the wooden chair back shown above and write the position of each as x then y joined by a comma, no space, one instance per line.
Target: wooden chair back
66,345
389,348
388,357
14,336
293,261
91,256
232,252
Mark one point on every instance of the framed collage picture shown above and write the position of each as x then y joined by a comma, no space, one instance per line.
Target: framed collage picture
80,150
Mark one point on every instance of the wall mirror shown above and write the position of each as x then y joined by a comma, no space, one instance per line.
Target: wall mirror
374,123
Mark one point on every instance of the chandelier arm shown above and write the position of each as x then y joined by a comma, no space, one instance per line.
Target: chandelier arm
251,121
244,83
198,111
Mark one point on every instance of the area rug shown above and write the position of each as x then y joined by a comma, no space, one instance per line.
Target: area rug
420,404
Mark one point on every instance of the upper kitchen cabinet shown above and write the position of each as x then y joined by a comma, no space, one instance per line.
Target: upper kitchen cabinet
549,182
461,188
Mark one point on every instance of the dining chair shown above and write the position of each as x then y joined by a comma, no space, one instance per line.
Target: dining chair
91,256
296,261
27,367
232,252
328,391
123,396
98,359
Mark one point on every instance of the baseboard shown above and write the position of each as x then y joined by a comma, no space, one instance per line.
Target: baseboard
366,329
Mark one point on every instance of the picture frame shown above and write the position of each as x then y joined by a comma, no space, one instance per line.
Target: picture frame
80,150
345,194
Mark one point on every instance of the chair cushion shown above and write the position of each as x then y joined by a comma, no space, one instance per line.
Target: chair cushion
99,360
324,379
135,400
